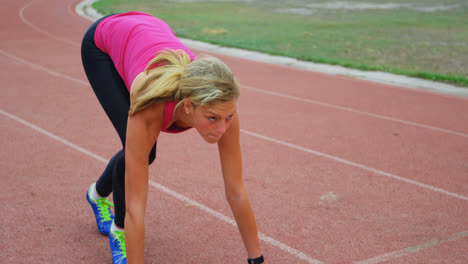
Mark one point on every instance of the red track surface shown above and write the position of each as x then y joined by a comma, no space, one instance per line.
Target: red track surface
338,170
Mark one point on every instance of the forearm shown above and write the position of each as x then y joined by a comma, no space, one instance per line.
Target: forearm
135,238
245,219
135,218
136,194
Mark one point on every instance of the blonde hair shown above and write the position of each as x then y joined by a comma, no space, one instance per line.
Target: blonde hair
205,81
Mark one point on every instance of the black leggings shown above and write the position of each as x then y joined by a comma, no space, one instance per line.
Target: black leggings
114,97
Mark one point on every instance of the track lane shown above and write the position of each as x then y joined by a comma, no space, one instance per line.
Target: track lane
412,104
264,166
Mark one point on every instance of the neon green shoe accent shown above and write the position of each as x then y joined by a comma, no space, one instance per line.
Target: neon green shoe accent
120,237
103,208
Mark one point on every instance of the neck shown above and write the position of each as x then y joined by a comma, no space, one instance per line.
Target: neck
181,118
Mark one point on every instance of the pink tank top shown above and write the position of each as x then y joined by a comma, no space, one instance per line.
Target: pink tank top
131,40
169,108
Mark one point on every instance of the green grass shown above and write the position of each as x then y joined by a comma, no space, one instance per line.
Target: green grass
428,45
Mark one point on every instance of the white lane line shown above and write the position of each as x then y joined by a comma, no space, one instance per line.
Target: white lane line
410,250
183,198
350,163
231,221
354,164
54,137
290,96
42,68
354,111
21,14
221,216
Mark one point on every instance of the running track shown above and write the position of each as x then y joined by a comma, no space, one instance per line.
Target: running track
338,170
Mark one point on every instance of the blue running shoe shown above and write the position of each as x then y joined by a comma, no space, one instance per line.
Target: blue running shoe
117,245
102,211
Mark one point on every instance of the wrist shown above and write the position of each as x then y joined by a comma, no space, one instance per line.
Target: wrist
258,260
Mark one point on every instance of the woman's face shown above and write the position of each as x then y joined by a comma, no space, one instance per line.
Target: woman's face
213,121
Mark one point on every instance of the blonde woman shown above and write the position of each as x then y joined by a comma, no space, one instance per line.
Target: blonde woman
148,82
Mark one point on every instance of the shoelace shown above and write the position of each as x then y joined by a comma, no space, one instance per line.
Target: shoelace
120,236
103,207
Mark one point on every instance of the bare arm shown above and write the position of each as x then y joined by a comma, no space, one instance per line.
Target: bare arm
236,194
142,132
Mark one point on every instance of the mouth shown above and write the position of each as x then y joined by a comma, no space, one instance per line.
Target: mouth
213,137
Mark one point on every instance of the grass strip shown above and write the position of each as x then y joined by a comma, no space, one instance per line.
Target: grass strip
425,45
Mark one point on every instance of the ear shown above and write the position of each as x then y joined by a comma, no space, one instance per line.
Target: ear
188,108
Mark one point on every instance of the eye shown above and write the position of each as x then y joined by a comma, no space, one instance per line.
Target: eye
230,117
212,118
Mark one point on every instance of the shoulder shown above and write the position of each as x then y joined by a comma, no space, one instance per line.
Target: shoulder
140,77
151,117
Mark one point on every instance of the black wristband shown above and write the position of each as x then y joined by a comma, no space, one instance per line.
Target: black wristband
258,260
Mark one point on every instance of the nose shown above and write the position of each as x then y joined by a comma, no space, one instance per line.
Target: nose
222,127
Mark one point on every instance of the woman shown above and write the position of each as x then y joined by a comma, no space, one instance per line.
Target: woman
143,95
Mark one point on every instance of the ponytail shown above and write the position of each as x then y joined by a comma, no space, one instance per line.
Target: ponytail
162,82
173,77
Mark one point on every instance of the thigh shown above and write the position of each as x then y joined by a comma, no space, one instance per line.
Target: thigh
106,82
109,87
